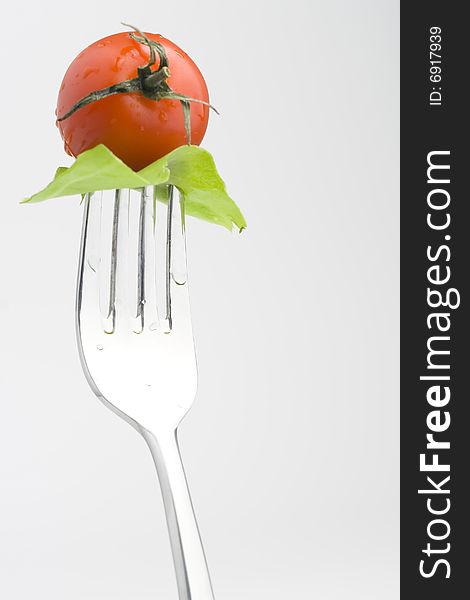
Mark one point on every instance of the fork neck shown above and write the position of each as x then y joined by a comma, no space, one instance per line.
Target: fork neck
188,554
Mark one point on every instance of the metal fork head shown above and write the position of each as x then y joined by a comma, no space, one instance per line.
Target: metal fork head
132,310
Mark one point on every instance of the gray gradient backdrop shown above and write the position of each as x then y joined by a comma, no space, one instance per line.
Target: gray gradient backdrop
291,449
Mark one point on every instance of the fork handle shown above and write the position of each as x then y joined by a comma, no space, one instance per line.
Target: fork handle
192,574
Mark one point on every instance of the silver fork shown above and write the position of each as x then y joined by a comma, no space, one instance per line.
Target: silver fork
136,346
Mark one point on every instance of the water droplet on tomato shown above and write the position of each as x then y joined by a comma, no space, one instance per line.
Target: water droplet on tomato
129,50
117,64
142,128
89,71
163,116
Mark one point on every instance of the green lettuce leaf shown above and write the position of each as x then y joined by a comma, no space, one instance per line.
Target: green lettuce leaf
189,168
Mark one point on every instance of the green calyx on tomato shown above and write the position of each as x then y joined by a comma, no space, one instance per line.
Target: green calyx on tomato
189,168
151,84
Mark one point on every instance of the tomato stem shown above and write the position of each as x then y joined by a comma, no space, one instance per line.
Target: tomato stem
148,83
154,80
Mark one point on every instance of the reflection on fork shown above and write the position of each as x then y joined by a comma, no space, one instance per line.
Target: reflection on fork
136,346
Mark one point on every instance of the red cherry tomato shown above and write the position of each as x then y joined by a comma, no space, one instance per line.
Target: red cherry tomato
137,129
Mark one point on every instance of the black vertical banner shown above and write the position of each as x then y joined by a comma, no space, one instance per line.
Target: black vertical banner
435,301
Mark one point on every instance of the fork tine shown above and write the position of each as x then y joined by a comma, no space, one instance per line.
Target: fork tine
168,257
111,316
178,263
105,237
89,261
150,306
83,256
134,272
176,274
139,322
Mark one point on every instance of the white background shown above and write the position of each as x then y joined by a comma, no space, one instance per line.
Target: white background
292,446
